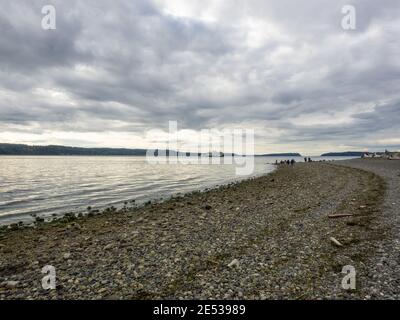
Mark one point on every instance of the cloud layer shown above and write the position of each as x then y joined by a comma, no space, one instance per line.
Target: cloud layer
111,71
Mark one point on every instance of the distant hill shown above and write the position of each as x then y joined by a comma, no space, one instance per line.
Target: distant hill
53,150
26,150
280,155
344,154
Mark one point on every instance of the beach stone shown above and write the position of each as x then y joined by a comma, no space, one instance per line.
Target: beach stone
89,262
77,226
11,284
109,246
67,255
234,263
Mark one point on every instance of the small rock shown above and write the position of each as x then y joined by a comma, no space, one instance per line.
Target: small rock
234,263
335,242
67,255
11,284
108,247
207,207
77,226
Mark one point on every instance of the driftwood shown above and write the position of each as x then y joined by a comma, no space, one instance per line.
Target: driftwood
337,243
341,215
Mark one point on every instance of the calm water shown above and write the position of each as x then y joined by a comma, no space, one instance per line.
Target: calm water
56,185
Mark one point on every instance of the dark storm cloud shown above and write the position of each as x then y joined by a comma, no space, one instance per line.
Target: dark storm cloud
287,70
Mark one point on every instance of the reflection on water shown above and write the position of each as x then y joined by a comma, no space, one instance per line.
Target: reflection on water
48,185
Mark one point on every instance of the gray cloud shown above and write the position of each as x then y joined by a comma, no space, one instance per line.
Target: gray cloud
287,70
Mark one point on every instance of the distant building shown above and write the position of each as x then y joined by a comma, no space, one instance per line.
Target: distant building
372,155
394,156
385,155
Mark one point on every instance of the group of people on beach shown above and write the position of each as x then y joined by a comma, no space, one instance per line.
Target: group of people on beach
286,162
291,162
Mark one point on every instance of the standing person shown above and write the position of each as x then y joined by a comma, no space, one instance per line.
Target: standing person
305,159
292,162
309,159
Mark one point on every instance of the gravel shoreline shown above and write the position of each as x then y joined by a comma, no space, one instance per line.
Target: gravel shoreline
263,238
384,266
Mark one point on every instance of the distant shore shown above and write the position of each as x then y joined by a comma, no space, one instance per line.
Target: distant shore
58,150
263,238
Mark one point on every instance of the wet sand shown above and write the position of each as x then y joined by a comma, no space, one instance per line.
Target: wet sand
263,238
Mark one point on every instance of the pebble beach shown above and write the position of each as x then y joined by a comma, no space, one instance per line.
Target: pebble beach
284,235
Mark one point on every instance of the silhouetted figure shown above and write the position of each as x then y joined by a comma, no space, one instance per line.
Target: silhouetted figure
305,159
309,159
292,162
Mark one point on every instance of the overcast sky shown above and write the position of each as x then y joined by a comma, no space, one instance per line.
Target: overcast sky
112,70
